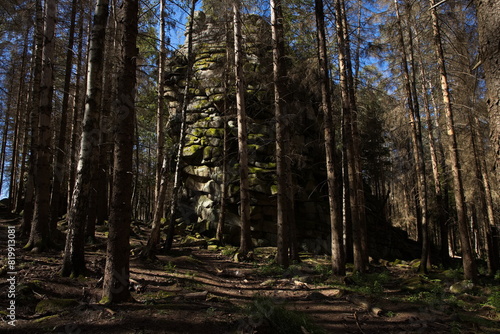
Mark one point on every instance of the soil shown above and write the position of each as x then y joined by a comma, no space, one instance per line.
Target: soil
198,290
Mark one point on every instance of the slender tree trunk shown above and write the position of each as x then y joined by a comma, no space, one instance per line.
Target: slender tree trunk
245,239
360,242
116,272
40,233
418,152
185,101
337,247
29,200
16,183
105,145
438,191
74,257
279,73
6,126
489,39
160,112
224,185
468,259
483,179
75,114
488,15
161,184
59,167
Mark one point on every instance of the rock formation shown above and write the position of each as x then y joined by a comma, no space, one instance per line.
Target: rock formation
203,152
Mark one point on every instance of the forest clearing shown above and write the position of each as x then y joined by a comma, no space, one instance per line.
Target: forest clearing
200,289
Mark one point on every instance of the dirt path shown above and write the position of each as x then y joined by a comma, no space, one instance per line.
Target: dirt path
196,290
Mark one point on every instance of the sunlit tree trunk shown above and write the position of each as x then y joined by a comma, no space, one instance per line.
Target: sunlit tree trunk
488,16
160,111
468,258
76,113
418,152
245,241
74,260
225,147
185,102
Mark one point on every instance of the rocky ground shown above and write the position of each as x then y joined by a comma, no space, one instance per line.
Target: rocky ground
202,290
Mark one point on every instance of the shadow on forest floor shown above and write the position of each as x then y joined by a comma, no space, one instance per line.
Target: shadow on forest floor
199,290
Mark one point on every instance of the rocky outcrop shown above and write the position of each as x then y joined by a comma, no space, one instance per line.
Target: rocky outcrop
210,109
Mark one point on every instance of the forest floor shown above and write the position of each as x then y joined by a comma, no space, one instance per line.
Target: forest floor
202,290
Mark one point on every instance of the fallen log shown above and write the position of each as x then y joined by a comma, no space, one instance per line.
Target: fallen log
365,304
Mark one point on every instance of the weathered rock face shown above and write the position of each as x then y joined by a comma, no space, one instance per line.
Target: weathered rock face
210,108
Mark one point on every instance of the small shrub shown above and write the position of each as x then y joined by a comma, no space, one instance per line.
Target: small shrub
370,284
271,270
169,267
265,312
229,250
494,300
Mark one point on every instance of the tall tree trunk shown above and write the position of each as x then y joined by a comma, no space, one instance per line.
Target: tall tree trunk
161,184
245,239
40,233
16,183
105,145
160,111
74,257
360,242
29,198
6,125
337,247
417,145
488,16
75,113
59,168
116,272
225,147
482,177
279,73
468,258
185,101
489,38
435,164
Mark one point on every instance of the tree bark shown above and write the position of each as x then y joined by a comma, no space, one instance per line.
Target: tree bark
417,145
185,101
160,111
74,258
29,197
40,234
245,239
468,259
337,247
360,242
59,168
279,73
488,16
116,272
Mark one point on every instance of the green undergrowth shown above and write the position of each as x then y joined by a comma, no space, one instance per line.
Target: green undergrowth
369,283
265,313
